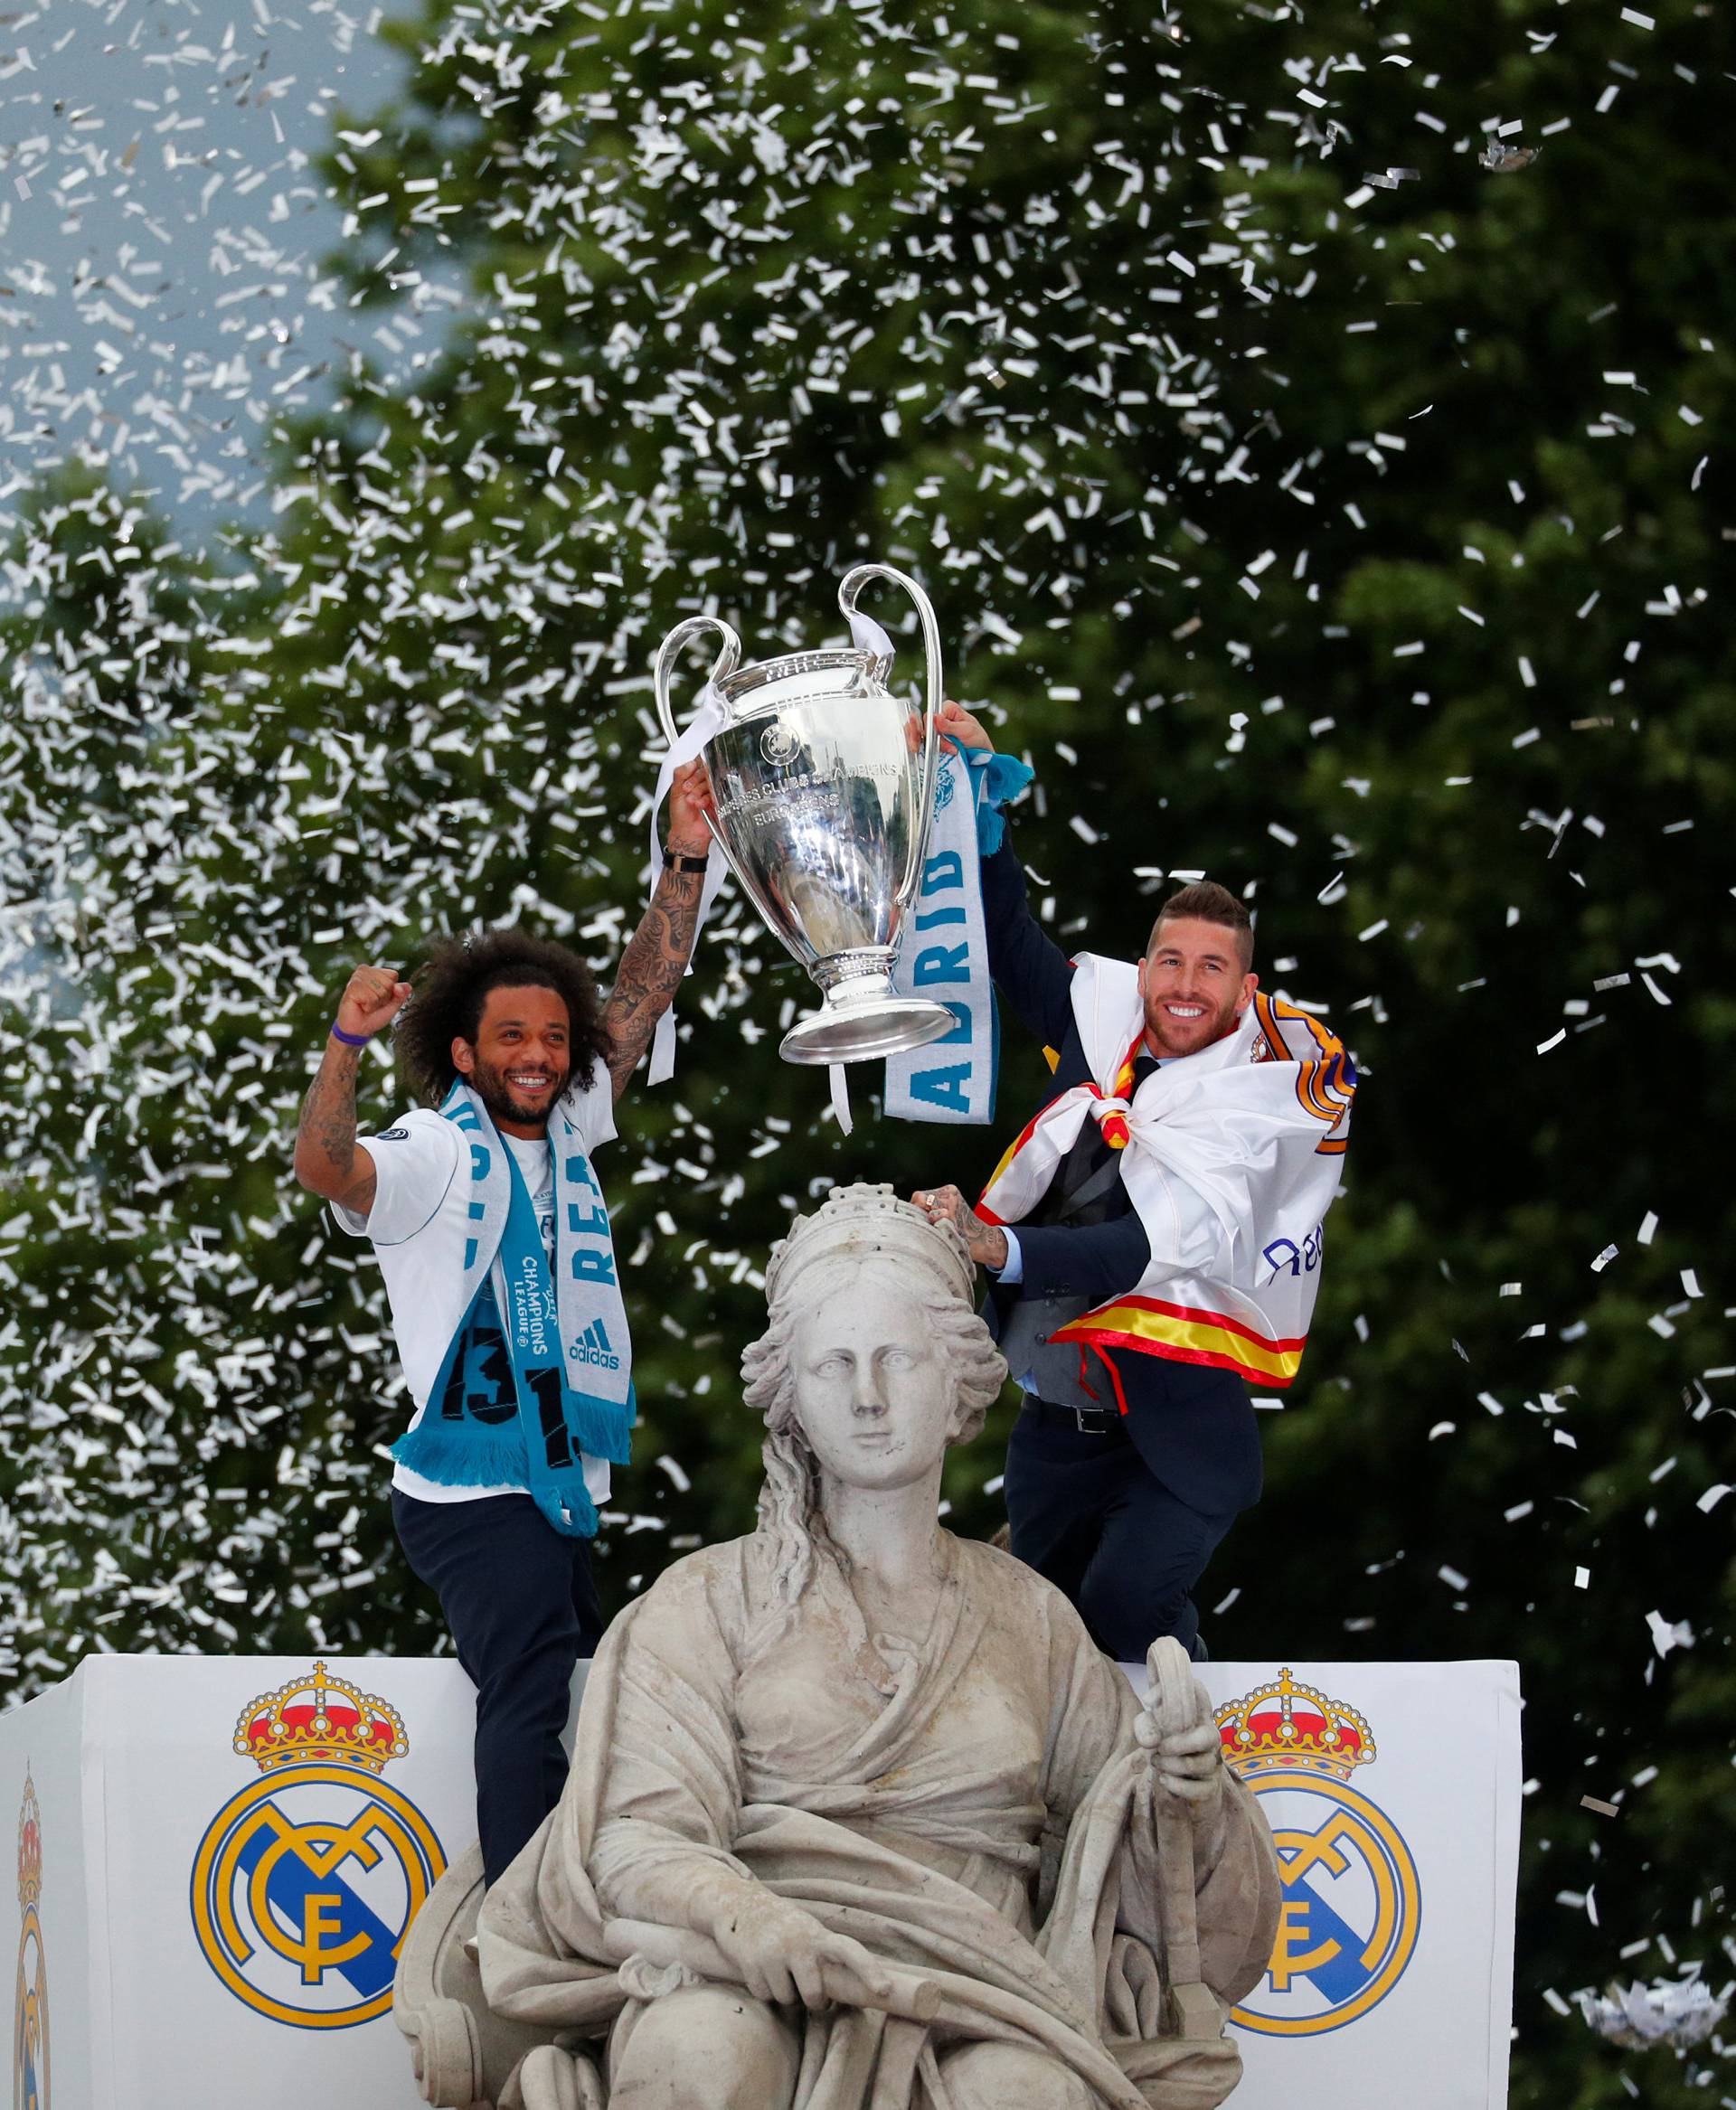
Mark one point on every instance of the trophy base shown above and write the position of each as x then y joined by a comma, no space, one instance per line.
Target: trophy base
869,1030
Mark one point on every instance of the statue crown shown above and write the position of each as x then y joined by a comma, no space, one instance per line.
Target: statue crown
857,1221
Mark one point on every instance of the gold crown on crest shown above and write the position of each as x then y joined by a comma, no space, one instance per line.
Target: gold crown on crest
30,1846
855,1222
1284,1724
318,1719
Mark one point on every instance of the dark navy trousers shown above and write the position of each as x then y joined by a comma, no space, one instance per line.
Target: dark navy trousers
1091,1514
523,1607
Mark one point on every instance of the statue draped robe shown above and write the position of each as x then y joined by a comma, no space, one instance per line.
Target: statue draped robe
970,1806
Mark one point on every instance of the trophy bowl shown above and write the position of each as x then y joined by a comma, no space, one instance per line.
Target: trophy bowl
824,781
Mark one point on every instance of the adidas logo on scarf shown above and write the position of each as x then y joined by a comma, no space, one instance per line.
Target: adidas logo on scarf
593,1346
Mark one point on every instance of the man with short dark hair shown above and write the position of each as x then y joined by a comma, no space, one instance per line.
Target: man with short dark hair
490,1229
1152,1241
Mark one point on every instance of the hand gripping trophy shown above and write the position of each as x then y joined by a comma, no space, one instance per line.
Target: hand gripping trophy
825,785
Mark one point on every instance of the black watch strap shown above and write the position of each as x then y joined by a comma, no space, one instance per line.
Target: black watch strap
674,861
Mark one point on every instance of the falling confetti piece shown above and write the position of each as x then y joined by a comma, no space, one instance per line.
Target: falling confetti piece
1668,1634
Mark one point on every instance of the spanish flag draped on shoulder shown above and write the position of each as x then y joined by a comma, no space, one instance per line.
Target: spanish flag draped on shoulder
1231,1159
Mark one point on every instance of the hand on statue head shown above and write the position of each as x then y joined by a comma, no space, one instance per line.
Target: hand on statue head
690,803
986,1241
1188,1763
959,729
784,1955
372,999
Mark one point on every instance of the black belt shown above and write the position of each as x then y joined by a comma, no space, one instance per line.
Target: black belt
1084,1420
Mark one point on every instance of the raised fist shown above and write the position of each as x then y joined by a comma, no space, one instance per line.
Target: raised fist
372,999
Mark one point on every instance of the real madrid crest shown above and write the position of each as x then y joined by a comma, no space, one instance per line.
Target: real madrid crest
1351,1904
30,2015
306,1883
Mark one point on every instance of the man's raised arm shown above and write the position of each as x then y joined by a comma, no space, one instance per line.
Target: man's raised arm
328,1159
1029,968
657,953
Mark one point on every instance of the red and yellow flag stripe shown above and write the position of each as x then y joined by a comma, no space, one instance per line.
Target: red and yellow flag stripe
1187,1333
1011,1152
1114,1125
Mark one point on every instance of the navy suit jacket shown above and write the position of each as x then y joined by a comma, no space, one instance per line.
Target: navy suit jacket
1211,1442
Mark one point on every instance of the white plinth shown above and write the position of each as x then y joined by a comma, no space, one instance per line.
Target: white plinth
1392,1982
208,1933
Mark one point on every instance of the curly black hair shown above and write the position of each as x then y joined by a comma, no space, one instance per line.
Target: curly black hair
452,987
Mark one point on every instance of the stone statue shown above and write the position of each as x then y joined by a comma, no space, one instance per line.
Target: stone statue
858,1817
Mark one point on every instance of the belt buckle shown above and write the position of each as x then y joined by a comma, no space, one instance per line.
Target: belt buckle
1091,1425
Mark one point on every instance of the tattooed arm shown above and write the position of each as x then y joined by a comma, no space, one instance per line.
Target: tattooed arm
658,953
986,1241
328,1159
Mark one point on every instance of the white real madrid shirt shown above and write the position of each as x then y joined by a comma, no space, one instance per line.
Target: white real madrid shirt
418,1227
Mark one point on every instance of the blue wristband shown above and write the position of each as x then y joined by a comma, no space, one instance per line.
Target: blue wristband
351,1040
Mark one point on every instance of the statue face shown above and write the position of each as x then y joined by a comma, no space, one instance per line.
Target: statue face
874,1389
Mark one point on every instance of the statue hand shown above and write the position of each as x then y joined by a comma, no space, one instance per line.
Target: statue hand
784,1955
1187,1761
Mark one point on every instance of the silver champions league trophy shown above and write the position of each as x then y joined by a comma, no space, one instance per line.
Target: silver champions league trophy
825,787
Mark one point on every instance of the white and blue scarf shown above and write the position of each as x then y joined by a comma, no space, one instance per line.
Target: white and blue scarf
944,952
519,1395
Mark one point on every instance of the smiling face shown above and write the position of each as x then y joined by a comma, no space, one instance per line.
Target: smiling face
876,1390
1193,986
520,1058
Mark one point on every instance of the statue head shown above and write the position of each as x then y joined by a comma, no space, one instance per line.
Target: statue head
873,1272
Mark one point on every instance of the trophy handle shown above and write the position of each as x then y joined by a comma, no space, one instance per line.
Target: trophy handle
728,659
849,593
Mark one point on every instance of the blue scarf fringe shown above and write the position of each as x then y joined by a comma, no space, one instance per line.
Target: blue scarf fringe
999,779
458,1454
604,1428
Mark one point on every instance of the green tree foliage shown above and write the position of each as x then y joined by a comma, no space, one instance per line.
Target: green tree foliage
1313,503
